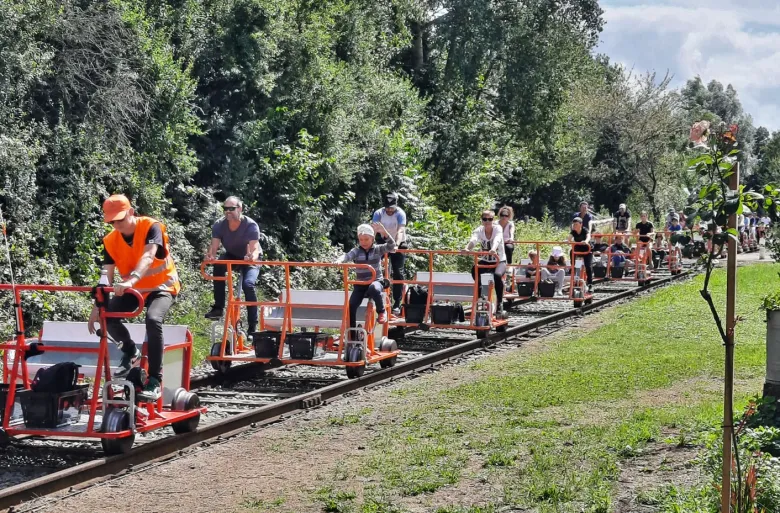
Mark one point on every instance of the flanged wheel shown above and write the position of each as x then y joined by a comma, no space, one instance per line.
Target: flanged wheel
388,345
5,440
221,366
115,420
482,334
355,354
396,333
185,401
501,328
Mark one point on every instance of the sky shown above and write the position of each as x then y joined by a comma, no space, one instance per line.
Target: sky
734,42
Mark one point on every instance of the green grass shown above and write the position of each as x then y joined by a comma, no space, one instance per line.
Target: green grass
548,428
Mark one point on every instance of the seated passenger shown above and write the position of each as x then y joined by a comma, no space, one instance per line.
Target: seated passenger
490,237
598,245
619,252
505,216
367,252
530,269
659,250
556,270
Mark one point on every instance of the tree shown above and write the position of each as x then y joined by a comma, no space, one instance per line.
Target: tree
636,121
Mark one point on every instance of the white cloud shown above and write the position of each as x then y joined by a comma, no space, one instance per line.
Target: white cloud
735,44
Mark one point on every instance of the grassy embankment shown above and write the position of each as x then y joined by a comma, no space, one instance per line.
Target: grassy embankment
547,427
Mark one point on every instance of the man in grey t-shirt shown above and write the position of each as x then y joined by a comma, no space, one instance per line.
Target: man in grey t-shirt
240,237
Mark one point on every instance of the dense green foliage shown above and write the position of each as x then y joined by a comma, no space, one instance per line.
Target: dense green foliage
310,111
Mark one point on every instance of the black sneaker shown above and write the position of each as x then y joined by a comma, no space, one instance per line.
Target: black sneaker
128,361
151,390
215,313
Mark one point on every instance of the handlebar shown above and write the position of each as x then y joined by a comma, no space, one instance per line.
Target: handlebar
286,265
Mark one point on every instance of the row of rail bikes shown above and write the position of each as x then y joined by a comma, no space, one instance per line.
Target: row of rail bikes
525,278
434,298
89,403
321,317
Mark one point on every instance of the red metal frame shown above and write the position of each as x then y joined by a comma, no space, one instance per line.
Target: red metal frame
154,416
430,253
234,303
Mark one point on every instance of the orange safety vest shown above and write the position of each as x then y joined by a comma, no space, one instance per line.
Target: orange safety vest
161,274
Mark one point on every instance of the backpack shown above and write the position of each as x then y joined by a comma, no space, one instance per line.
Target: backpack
60,377
416,295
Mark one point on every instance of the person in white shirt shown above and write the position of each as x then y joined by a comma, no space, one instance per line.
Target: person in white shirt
505,216
393,218
489,237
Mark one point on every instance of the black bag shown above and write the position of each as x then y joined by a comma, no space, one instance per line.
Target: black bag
617,271
60,377
600,271
416,295
444,313
525,288
547,288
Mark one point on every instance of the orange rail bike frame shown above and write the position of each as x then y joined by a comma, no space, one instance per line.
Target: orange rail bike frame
156,417
538,275
431,253
642,248
233,301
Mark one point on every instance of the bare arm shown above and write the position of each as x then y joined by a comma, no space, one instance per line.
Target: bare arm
401,234
211,254
253,250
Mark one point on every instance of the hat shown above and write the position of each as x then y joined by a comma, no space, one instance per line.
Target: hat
557,251
675,217
365,229
115,208
577,219
671,210
622,205
391,199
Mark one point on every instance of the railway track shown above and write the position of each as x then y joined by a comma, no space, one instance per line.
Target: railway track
252,395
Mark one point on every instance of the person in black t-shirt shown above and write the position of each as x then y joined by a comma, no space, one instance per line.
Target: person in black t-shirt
582,235
622,219
584,214
644,228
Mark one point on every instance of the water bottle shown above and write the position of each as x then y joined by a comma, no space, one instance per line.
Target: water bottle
103,278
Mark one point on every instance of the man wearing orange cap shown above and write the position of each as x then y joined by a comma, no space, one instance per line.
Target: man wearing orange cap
138,249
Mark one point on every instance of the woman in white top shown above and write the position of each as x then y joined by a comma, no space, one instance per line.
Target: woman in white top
505,216
489,237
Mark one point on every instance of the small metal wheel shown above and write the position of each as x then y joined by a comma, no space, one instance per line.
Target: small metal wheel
589,301
221,366
501,328
577,303
185,401
482,334
355,354
387,346
396,333
115,420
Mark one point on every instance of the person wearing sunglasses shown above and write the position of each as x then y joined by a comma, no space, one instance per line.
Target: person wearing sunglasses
138,248
490,237
240,236
393,218
505,216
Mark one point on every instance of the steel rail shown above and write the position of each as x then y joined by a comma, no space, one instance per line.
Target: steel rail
160,449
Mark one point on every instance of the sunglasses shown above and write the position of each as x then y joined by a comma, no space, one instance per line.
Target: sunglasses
486,219
504,215
229,209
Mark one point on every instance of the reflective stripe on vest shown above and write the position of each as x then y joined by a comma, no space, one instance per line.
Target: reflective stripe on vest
161,275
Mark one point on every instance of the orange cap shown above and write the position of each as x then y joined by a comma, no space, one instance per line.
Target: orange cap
115,208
